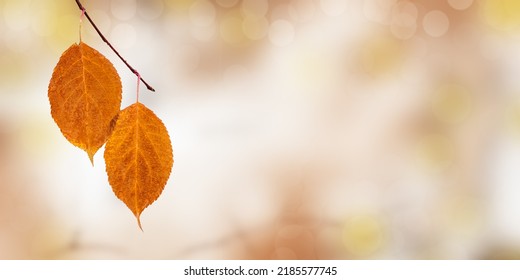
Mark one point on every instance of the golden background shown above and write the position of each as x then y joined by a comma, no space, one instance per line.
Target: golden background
302,129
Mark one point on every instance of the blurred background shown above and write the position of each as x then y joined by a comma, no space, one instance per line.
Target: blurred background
302,129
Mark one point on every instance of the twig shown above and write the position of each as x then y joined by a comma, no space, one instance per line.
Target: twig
84,11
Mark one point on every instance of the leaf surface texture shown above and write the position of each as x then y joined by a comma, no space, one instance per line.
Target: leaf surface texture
139,158
85,96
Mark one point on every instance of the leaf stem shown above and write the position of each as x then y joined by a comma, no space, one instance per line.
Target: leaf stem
138,80
81,24
84,11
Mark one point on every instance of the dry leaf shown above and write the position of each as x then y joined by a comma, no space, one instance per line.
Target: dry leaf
138,157
85,97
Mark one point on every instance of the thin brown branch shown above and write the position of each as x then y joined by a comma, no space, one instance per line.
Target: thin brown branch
110,45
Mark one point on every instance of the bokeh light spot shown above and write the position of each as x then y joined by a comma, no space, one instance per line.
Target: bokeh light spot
405,8
151,9
378,11
255,8
202,13
123,9
403,24
227,3
255,28
436,23
460,4
281,33
302,10
363,235
404,27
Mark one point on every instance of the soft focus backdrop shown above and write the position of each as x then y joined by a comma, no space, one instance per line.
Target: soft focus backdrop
302,129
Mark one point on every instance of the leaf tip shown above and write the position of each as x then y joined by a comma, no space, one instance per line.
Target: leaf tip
91,157
139,222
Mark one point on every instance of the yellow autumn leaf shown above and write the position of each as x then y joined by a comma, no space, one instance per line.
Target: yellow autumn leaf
139,158
85,97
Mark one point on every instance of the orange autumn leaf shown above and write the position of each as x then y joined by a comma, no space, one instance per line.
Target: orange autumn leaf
85,97
139,158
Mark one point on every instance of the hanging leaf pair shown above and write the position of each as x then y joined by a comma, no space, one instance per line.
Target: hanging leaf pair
85,97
